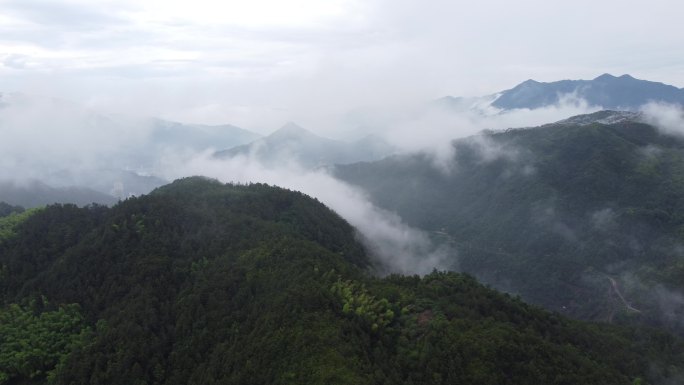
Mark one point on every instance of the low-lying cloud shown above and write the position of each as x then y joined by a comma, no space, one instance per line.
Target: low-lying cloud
666,303
396,246
669,118
64,144
433,129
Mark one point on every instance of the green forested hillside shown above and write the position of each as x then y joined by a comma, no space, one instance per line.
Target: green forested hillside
585,219
202,283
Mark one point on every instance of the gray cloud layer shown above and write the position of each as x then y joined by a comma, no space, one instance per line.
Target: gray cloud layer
261,63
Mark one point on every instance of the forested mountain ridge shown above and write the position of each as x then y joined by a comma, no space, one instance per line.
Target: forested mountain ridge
200,283
583,218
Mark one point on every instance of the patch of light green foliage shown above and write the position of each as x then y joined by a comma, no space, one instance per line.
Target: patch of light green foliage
33,342
10,222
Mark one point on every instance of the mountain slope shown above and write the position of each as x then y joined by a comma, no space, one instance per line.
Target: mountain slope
201,283
292,143
570,216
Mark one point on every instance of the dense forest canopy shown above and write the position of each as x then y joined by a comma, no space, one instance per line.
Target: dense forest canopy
200,282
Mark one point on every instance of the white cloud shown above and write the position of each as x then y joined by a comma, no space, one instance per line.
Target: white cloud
396,246
432,130
667,117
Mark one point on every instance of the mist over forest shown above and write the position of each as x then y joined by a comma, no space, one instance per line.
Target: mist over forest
341,192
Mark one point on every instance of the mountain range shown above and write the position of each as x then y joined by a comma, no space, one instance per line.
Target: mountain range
606,92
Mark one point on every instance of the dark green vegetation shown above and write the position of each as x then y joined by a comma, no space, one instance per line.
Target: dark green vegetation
584,219
202,283
36,341
10,217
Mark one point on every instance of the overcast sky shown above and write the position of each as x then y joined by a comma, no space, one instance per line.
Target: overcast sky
260,63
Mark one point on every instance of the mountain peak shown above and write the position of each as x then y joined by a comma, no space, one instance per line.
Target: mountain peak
291,129
606,76
529,82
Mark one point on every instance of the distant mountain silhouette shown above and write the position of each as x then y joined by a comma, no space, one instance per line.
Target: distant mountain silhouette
35,193
119,152
294,143
198,136
606,91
